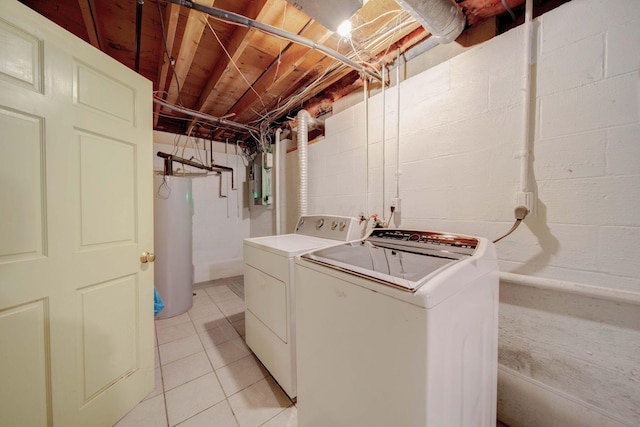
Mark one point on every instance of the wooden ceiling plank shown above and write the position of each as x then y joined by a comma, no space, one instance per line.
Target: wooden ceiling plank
271,9
249,115
240,41
289,62
88,9
190,40
170,24
244,108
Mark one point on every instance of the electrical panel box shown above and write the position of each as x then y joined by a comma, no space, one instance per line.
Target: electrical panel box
260,180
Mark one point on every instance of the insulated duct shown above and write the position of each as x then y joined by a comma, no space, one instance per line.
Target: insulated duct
442,18
303,142
329,13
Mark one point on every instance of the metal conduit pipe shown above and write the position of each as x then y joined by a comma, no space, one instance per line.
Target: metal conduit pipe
234,18
442,18
138,33
207,117
303,142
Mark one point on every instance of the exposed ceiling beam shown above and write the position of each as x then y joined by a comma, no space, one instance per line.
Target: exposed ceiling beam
269,29
170,26
236,48
277,13
88,9
294,59
303,79
190,40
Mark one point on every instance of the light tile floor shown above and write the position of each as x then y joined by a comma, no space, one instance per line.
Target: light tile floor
205,373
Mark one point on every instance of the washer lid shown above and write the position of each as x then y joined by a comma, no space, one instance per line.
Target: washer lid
289,244
399,258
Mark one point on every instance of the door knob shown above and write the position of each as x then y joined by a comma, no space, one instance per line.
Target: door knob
146,257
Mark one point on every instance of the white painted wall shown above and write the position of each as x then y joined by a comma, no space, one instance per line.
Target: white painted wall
568,356
219,223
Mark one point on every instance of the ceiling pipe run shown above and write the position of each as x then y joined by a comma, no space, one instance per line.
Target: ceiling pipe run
215,120
442,18
138,31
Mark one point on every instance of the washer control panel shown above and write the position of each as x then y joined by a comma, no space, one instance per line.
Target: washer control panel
424,240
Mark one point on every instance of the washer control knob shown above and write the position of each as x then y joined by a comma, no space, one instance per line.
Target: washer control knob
343,225
334,225
319,223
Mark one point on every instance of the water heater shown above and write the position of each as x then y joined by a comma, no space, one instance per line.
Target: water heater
173,267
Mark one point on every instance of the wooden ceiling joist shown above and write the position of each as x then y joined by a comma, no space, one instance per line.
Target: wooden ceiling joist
88,9
289,62
196,22
170,25
282,60
236,48
267,47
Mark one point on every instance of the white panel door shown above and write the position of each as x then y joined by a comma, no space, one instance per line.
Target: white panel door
76,211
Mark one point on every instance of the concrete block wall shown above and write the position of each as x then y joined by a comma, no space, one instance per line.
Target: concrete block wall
567,357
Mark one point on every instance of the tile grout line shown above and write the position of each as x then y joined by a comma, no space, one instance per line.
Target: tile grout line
226,398
213,369
164,394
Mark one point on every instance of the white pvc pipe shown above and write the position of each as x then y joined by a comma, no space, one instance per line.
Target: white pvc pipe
277,179
303,142
398,127
366,144
526,110
565,286
384,109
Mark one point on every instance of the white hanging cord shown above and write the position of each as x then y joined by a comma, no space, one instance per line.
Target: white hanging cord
238,193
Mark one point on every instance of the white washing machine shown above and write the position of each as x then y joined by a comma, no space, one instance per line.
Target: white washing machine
398,329
269,289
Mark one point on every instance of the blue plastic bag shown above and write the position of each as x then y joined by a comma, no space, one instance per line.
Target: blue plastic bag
158,305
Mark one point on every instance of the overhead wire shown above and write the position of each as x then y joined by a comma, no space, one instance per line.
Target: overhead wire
385,35
275,75
172,65
294,99
206,20
382,15
373,41
168,54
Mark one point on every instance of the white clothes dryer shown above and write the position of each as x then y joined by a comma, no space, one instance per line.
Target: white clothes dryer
269,289
398,329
